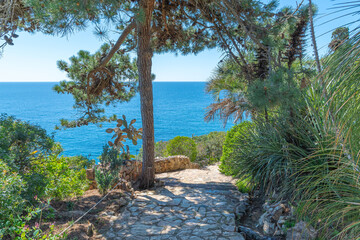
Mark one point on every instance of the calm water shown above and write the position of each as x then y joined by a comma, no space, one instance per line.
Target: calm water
179,109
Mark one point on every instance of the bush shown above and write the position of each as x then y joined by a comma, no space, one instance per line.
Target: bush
58,177
182,146
21,141
11,202
236,136
209,147
34,155
15,213
159,150
108,172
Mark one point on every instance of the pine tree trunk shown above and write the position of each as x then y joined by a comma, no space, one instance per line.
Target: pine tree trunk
144,63
312,30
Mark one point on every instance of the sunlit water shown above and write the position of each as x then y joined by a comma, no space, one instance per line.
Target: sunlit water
179,109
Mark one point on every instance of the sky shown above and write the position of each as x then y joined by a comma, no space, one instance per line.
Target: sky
33,57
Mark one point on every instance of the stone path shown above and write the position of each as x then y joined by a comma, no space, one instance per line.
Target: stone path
194,204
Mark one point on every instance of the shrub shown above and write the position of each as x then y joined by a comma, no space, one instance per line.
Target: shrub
15,212
182,146
236,136
21,141
108,172
209,147
159,150
29,151
244,185
11,202
58,177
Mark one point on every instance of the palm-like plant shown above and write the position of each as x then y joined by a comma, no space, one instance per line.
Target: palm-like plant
228,88
250,82
332,194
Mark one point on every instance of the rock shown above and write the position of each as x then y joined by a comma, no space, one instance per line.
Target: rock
261,219
131,170
173,163
276,213
268,228
282,220
90,229
301,231
90,174
117,204
241,207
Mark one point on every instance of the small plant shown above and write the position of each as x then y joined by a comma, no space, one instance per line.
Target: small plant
58,177
233,139
182,146
244,185
114,154
289,224
107,174
120,135
209,147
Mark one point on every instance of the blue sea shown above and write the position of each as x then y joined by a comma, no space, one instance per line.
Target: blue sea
179,109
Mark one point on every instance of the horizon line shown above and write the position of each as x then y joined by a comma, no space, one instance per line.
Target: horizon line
62,80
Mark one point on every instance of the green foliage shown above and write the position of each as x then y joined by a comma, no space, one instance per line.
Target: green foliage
120,135
182,146
33,154
338,36
93,87
15,213
107,174
332,189
209,147
159,150
244,185
234,137
21,141
262,65
11,202
57,177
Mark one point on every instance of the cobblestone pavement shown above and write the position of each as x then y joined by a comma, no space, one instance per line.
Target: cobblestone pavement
194,204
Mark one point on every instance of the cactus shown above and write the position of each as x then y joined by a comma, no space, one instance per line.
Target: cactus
128,131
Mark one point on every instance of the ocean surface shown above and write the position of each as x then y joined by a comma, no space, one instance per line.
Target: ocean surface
179,109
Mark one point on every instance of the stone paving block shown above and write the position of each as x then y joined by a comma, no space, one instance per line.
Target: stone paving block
196,206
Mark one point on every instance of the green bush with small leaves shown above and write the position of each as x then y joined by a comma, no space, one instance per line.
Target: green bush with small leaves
11,201
15,212
182,146
21,141
107,174
57,177
236,135
209,147
30,152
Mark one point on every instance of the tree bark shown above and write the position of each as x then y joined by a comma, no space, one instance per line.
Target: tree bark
118,43
144,62
312,30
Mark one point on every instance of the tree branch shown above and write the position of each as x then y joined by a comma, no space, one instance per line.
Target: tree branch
118,43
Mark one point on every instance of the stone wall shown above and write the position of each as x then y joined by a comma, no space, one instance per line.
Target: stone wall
131,171
174,163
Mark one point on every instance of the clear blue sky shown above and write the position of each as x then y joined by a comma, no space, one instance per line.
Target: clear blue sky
34,56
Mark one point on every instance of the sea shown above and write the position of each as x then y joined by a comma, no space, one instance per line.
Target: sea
179,109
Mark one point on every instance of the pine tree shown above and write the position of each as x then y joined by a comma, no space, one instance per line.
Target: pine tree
148,26
264,67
